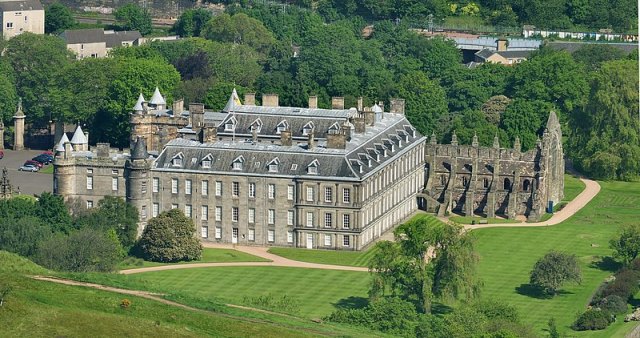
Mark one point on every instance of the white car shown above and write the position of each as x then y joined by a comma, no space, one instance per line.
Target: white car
28,167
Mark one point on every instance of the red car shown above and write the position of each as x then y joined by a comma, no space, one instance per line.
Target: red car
1,154
34,163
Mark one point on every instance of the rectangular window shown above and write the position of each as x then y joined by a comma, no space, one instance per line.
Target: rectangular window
218,213
328,220
346,195
272,191
290,193
271,216
290,217
9,24
174,185
218,233
187,187
89,204
174,206
309,194
204,231
252,215
205,188
143,187
156,184
156,210
89,171
309,218
235,189
271,235
206,164
289,236
252,190
345,240
252,234
218,188
143,212
187,210
89,182
327,240
235,213
114,184
204,212
328,194
114,172
346,221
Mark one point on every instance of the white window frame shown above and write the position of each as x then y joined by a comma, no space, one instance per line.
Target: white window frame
143,212
346,221
328,194
309,219
204,231
290,192
235,214
89,182
218,213
174,185
271,191
114,184
218,188
187,187
290,217
271,235
271,216
328,220
155,210
89,204
204,188
289,236
174,206
252,190
204,212
235,189
156,184
252,215
252,234
327,240
310,193
218,233
188,210
346,195
346,241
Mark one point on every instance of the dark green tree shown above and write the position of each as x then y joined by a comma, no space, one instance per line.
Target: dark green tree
22,236
8,93
132,17
51,209
58,17
239,29
592,55
191,22
425,101
626,246
554,270
170,237
113,213
526,120
219,92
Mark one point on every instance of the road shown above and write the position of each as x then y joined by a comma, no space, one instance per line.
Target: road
25,182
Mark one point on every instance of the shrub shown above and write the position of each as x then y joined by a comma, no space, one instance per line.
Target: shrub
624,286
170,237
593,319
553,270
613,304
391,315
494,309
125,304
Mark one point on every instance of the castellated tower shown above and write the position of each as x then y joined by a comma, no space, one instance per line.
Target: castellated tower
137,170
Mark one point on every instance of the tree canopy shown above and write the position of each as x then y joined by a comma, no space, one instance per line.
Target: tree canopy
57,18
132,17
170,237
553,270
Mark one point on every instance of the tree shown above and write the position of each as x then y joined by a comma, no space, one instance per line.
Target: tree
52,210
114,213
85,250
553,270
8,94
191,22
626,247
57,17
239,29
592,55
425,101
429,259
525,119
170,237
22,236
132,17
218,94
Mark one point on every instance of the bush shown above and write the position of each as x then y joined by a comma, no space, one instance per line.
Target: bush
593,319
269,302
170,237
553,270
613,304
625,285
391,315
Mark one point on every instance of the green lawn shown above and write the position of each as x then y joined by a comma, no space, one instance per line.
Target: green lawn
351,258
318,292
44,309
209,255
469,220
47,169
572,187
508,254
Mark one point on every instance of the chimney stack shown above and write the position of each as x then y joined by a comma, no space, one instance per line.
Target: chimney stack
397,106
502,45
313,102
311,140
336,140
337,102
196,111
381,105
270,100
254,135
250,99
346,130
285,138
360,103
102,150
208,134
369,118
177,107
359,124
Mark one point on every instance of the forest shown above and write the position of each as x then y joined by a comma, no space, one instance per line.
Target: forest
594,91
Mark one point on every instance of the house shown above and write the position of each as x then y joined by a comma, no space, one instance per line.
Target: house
501,54
97,42
22,16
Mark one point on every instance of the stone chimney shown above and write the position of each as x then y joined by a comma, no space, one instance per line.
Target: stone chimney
360,103
250,99
502,45
208,134
337,102
196,110
336,140
359,124
285,138
346,130
86,145
313,102
270,100
102,150
311,142
254,135
67,150
177,107
369,118
397,106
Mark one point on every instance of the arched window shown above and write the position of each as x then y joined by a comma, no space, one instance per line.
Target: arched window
525,185
507,184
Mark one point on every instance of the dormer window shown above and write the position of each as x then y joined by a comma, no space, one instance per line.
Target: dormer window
358,165
176,161
273,165
312,168
294,167
282,126
306,130
238,163
230,124
206,161
334,127
256,125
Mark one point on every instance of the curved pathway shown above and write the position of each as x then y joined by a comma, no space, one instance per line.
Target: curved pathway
592,188
252,250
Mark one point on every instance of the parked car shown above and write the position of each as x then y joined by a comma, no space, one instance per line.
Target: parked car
29,167
1,154
43,158
50,153
34,163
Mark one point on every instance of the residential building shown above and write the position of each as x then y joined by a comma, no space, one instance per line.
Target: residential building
22,16
96,42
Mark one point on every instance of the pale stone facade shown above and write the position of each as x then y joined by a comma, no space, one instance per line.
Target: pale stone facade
21,16
96,42
18,128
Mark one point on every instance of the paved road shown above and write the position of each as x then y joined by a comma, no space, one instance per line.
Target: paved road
25,182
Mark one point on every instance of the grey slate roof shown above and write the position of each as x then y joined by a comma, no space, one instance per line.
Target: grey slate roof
96,35
115,39
16,6
508,54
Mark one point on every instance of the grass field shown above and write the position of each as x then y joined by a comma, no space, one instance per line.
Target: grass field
48,169
44,309
351,258
469,220
209,255
508,254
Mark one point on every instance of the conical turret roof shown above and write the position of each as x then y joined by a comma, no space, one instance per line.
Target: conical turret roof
157,98
64,139
138,106
139,150
78,137
234,100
